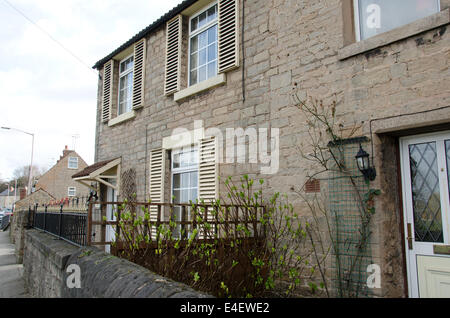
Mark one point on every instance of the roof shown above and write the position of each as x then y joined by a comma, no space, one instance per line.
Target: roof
88,170
66,152
152,27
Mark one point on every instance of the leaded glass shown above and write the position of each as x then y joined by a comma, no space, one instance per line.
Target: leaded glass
426,193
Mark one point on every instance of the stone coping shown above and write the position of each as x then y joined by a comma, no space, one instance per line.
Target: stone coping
104,275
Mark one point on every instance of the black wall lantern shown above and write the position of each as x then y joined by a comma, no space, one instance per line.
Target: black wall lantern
363,161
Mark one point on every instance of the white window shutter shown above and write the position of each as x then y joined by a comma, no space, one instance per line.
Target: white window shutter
208,178
108,78
173,55
228,35
157,174
139,74
208,167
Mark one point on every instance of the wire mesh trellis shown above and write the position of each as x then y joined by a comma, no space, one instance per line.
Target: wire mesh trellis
346,189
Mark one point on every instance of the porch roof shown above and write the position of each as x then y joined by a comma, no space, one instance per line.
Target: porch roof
98,172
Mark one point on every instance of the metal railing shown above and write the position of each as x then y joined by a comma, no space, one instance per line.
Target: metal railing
68,226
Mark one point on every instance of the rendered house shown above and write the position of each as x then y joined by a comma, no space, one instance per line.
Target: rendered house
173,100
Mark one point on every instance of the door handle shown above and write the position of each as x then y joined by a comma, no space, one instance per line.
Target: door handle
410,238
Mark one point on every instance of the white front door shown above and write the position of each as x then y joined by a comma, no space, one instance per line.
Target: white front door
110,216
425,162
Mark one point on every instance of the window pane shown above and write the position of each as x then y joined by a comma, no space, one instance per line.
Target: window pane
122,83
194,58
194,24
202,74
194,179
212,34
176,181
194,157
193,196
203,39
202,57
447,151
212,13
212,69
194,44
383,15
185,180
176,195
176,160
193,80
212,52
202,19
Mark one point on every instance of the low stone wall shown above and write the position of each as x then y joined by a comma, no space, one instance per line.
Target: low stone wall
46,260
19,222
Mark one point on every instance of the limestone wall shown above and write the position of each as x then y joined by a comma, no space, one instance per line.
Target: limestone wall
46,260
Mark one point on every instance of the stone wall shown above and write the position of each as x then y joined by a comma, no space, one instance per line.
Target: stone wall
302,46
19,223
46,260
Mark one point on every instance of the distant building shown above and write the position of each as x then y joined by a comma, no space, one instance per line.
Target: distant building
58,180
8,198
38,197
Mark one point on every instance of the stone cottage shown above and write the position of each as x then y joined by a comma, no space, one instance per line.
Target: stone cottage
212,72
58,182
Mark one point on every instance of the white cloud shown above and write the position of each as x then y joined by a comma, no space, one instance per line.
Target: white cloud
44,89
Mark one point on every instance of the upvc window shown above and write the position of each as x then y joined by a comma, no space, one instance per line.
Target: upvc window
72,191
73,163
125,85
373,17
185,165
203,48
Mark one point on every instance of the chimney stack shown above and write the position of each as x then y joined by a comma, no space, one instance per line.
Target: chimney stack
23,193
65,151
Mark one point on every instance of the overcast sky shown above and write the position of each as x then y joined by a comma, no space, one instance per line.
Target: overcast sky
47,84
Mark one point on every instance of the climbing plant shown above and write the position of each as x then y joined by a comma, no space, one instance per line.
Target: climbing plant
347,207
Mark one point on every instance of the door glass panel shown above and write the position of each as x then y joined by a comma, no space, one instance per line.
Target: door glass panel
447,154
426,193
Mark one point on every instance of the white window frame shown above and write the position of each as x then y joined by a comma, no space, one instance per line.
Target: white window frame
122,74
197,32
182,170
71,160
358,21
72,189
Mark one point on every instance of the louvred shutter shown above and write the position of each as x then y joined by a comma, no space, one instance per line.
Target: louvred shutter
139,74
228,35
208,169
108,75
173,55
208,177
157,173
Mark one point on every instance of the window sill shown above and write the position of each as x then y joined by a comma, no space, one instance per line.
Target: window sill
401,33
122,118
200,87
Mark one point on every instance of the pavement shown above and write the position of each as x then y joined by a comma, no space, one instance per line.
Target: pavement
12,284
